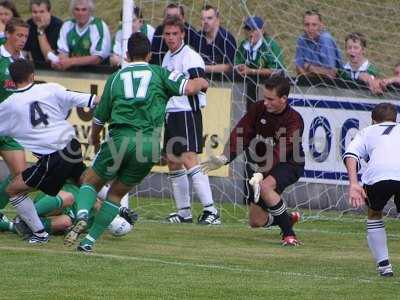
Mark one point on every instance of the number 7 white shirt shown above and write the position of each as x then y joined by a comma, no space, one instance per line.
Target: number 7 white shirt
379,146
35,116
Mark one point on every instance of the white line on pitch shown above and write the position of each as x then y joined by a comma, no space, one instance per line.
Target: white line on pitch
186,264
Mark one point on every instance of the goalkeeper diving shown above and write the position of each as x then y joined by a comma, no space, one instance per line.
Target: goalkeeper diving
271,131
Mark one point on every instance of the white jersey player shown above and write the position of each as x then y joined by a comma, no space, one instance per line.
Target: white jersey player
377,145
35,116
183,135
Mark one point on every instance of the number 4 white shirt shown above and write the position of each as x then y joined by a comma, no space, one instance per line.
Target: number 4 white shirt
35,116
378,145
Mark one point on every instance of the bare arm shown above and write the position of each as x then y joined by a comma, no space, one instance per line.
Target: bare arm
220,68
68,62
318,70
356,192
44,45
195,85
95,134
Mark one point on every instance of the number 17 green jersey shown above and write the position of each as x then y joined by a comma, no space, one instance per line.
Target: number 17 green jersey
135,97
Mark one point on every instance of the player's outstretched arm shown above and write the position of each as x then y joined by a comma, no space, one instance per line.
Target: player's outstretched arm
356,192
195,85
95,134
213,163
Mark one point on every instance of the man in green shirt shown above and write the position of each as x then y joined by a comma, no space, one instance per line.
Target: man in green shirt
133,104
258,54
12,152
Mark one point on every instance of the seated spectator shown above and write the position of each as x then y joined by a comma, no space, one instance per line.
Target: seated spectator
316,52
138,25
44,30
358,67
7,12
258,54
217,45
158,46
84,40
392,80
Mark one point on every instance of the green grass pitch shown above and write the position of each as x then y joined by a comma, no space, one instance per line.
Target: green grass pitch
185,261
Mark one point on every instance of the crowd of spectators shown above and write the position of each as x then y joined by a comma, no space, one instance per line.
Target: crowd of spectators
85,39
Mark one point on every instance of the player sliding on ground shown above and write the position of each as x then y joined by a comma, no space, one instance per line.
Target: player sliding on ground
133,103
272,132
35,117
377,145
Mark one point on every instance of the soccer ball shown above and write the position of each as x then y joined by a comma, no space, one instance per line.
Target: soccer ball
119,226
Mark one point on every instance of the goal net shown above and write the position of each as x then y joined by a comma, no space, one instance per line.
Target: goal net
333,110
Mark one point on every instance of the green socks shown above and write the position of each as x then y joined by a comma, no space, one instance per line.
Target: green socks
85,199
4,198
103,218
48,204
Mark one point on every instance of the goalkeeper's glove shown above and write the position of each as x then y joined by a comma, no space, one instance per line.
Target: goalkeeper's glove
255,183
214,162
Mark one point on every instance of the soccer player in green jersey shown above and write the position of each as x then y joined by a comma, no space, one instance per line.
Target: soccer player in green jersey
12,152
133,104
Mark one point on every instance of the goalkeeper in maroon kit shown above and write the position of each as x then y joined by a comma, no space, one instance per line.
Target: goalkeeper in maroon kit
271,130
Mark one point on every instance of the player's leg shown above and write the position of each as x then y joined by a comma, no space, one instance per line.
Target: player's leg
174,145
108,211
57,224
48,204
378,195
201,186
85,201
133,169
14,157
6,224
201,183
281,176
23,204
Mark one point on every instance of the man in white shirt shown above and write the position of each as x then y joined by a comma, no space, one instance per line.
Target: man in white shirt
39,124
183,136
377,145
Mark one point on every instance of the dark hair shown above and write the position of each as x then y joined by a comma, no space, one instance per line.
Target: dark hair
38,2
396,65
208,7
20,70
11,6
174,21
313,12
138,46
278,82
136,11
357,36
384,112
12,25
173,5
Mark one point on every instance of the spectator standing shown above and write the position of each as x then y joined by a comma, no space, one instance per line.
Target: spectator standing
316,51
7,12
258,54
44,31
218,45
158,46
84,40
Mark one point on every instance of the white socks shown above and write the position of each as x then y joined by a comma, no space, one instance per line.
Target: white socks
180,189
27,212
201,186
376,237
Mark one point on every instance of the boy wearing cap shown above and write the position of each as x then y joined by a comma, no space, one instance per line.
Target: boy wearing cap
258,54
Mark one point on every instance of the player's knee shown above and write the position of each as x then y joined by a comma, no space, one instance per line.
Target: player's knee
374,214
67,199
67,222
256,222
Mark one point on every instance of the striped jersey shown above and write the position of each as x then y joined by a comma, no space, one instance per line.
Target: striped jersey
92,39
187,61
39,114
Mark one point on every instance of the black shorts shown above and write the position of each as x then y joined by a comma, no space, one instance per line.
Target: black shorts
183,132
52,170
379,193
285,174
